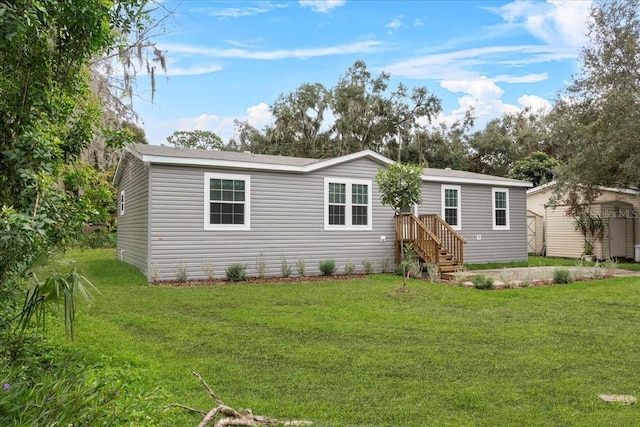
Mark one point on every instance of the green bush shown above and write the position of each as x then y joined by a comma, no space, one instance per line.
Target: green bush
181,272
236,272
48,386
301,267
367,266
349,268
327,267
481,281
285,268
562,275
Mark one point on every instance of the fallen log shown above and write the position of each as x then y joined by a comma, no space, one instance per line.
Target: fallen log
226,416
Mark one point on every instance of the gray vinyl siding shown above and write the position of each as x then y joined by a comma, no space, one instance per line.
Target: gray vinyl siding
287,219
477,221
133,225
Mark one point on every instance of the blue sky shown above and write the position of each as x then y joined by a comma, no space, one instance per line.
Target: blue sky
231,59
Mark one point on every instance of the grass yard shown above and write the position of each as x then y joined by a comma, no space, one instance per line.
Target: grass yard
353,353
539,261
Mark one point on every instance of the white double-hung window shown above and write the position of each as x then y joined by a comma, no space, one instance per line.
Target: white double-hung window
347,204
227,201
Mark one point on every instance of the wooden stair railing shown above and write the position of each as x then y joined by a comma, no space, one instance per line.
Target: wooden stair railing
409,229
450,239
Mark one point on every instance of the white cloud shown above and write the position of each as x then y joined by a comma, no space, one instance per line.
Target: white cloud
193,71
418,22
342,49
485,98
556,22
258,116
322,6
395,23
239,12
535,103
457,65
528,78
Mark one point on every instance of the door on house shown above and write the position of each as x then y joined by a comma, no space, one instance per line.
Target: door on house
617,237
531,234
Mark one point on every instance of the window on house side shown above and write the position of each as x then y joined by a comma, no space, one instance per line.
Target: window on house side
226,202
500,198
122,202
347,204
451,205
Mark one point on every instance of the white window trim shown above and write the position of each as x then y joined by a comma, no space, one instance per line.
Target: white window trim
493,208
348,208
208,176
121,202
452,187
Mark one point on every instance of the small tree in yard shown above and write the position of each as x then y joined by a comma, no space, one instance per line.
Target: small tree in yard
400,187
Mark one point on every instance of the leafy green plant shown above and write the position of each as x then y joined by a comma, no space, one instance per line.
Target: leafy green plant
507,279
562,275
591,228
385,264
349,268
433,271
481,281
301,267
261,266
526,279
367,266
236,272
285,268
327,267
181,272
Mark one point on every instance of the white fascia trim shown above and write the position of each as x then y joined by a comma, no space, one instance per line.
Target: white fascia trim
481,181
247,202
613,190
232,164
493,209
348,205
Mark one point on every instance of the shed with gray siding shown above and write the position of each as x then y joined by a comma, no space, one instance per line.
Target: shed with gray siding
173,215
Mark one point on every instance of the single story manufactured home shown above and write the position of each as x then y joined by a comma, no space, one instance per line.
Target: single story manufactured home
187,210
618,210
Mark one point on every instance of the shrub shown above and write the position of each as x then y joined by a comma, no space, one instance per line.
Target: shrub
481,281
285,268
385,264
349,268
261,266
367,266
526,279
506,277
208,269
562,275
433,271
181,272
155,272
236,272
301,267
327,267
459,278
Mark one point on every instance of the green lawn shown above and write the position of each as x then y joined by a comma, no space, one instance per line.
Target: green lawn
354,353
538,261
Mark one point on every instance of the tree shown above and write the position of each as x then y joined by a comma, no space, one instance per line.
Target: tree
599,113
401,188
537,168
202,139
48,116
299,117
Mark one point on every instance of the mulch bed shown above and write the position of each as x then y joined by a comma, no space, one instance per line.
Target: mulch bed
259,281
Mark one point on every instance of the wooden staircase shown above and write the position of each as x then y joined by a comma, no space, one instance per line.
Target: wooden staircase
435,242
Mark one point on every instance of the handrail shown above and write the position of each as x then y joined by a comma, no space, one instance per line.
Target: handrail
411,230
450,239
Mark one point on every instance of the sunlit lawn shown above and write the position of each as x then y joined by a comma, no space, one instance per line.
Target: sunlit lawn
354,353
